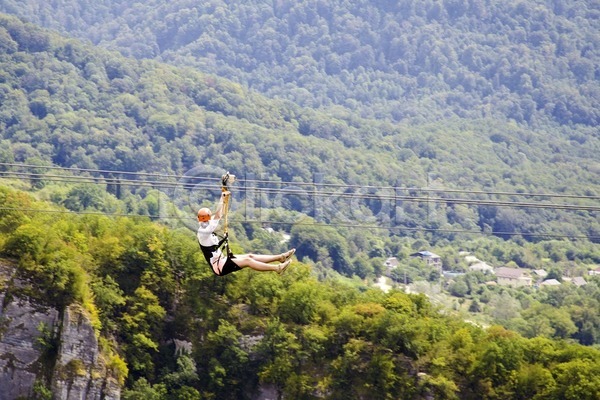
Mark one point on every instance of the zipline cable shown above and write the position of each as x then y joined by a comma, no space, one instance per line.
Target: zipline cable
190,182
294,183
292,191
299,223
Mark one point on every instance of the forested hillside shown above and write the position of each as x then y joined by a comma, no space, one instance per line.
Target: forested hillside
535,62
68,104
170,329
360,131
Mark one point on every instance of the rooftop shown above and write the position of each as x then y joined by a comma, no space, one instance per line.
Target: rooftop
425,253
579,281
510,273
550,282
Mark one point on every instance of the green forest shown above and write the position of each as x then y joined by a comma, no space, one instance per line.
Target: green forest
144,284
68,104
534,62
358,131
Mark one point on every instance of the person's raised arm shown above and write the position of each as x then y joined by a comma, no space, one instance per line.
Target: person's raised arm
220,207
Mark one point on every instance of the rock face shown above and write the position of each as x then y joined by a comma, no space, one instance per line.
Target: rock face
40,348
80,371
20,357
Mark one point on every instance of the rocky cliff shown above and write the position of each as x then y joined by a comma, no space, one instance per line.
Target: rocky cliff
47,351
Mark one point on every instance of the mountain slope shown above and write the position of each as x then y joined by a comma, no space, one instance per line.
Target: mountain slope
69,104
168,328
535,62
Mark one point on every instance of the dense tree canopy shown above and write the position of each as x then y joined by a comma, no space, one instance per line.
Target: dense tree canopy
64,103
146,285
364,130
530,61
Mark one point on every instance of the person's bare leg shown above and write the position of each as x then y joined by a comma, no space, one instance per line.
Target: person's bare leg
247,261
269,258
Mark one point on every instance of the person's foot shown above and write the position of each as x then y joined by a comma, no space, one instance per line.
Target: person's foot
287,255
283,266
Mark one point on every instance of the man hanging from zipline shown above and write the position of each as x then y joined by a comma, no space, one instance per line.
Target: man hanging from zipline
216,250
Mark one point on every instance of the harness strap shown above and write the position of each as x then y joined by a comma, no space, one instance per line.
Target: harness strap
226,180
209,250
225,211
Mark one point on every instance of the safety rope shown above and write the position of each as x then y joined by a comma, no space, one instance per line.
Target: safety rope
226,180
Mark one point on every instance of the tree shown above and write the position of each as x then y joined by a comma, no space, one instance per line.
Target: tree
143,390
475,307
554,273
459,288
184,379
362,266
225,363
501,354
261,292
503,307
278,350
141,328
108,297
363,370
534,381
7,44
85,196
299,303
27,240
587,321
577,379
321,243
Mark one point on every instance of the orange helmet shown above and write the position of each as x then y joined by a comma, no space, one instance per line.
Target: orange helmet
204,215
